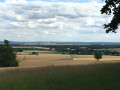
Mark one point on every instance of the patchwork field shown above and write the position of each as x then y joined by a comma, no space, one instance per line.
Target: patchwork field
28,52
112,49
32,75
62,59
30,47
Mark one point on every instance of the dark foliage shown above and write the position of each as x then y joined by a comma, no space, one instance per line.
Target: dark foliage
76,49
85,49
112,7
98,55
7,56
34,53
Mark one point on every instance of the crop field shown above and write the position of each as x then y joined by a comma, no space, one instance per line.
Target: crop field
28,52
91,57
52,70
43,59
30,47
78,77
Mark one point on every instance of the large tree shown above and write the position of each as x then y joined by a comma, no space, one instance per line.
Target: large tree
112,7
7,55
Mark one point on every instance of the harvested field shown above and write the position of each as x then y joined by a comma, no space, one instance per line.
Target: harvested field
60,59
27,52
34,51
91,57
31,47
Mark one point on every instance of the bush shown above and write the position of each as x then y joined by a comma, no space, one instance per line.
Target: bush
7,55
98,55
18,50
34,53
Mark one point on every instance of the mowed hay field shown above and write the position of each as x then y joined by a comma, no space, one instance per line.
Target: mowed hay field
91,57
45,60
61,59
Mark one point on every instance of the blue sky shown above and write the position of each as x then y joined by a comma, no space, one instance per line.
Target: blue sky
2,0
56,20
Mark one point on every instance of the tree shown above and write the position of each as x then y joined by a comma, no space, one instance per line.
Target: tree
98,55
7,55
112,7
35,53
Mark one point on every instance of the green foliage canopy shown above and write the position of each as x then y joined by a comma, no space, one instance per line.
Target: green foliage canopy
98,55
7,55
112,7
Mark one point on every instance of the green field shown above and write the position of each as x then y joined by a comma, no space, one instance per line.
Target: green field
55,52
90,77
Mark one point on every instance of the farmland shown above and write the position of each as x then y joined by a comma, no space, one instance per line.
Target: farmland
49,69
60,59
49,55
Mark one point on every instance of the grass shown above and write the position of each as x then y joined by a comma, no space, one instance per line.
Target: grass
90,77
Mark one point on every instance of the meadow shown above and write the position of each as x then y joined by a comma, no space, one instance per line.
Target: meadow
78,77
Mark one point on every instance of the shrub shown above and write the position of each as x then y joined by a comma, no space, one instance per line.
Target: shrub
98,55
7,55
34,53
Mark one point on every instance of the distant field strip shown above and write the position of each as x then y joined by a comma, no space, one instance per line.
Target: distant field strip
31,47
91,57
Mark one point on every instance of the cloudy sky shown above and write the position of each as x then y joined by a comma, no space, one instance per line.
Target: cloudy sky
54,20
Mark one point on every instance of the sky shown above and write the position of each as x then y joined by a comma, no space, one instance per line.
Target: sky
54,20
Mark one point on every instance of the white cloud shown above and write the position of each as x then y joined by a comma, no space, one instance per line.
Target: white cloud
19,17
54,21
46,32
15,23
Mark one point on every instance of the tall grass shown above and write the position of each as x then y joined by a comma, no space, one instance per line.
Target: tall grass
90,77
